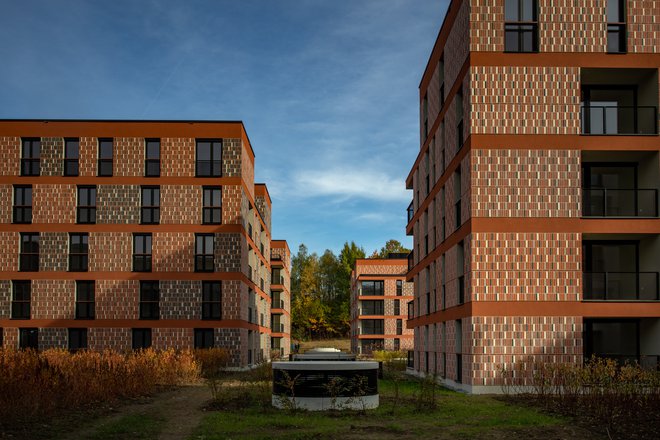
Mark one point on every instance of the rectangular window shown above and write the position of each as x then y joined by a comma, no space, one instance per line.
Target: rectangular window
23,204
105,157
28,338
204,338
71,157
397,344
521,33
29,254
373,327
86,204
425,115
616,26
152,157
150,212
441,80
399,326
204,261
397,307
85,308
20,300
142,253
459,117
211,300
141,338
78,252
212,205
209,158
30,159
149,300
372,288
77,339
373,307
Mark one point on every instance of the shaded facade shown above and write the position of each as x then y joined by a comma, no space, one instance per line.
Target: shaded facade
129,234
535,190
379,297
280,290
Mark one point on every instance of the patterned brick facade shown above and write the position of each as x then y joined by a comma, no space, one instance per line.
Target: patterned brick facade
501,276
110,252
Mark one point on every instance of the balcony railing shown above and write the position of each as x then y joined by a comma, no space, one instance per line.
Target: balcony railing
621,286
604,202
610,120
411,212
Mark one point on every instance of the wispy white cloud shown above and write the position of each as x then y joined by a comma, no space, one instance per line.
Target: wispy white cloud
350,183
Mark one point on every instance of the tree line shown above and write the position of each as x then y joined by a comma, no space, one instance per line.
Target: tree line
320,289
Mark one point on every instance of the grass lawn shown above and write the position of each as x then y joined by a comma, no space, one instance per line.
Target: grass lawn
244,411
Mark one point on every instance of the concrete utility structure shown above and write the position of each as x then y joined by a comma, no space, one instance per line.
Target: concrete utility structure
323,385
130,234
379,297
535,190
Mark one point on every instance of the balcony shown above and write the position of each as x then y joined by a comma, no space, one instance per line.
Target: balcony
604,202
621,286
411,261
278,327
624,340
619,120
411,212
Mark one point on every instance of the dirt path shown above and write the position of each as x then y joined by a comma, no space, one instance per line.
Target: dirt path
178,413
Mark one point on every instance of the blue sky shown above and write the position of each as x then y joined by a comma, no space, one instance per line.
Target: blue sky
327,89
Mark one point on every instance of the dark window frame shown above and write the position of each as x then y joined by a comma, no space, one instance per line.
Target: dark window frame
204,338
150,214
522,28
149,300
209,210
31,162
211,300
79,261
71,166
85,299
375,288
142,252
618,29
151,165
204,260
141,338
21,299
28,338
22,212
212,160
77,339
104,162
86,213
29,258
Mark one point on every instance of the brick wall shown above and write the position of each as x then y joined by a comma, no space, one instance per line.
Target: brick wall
53,251
110,251
117,299
53,338
180,300
11,156
228,252
504,340
530,100
486,25
177,157
53,299
9,243
232,198
526,183
643,26
180,204
234,300
119,339
569,26
52,155
54,203
5,299
117,204
6,203
544,266
88,156
235,342
173,251
164,338
232,150
128,156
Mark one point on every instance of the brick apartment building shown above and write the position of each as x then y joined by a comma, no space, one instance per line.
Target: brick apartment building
535,190
280,288
130,234
379,297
